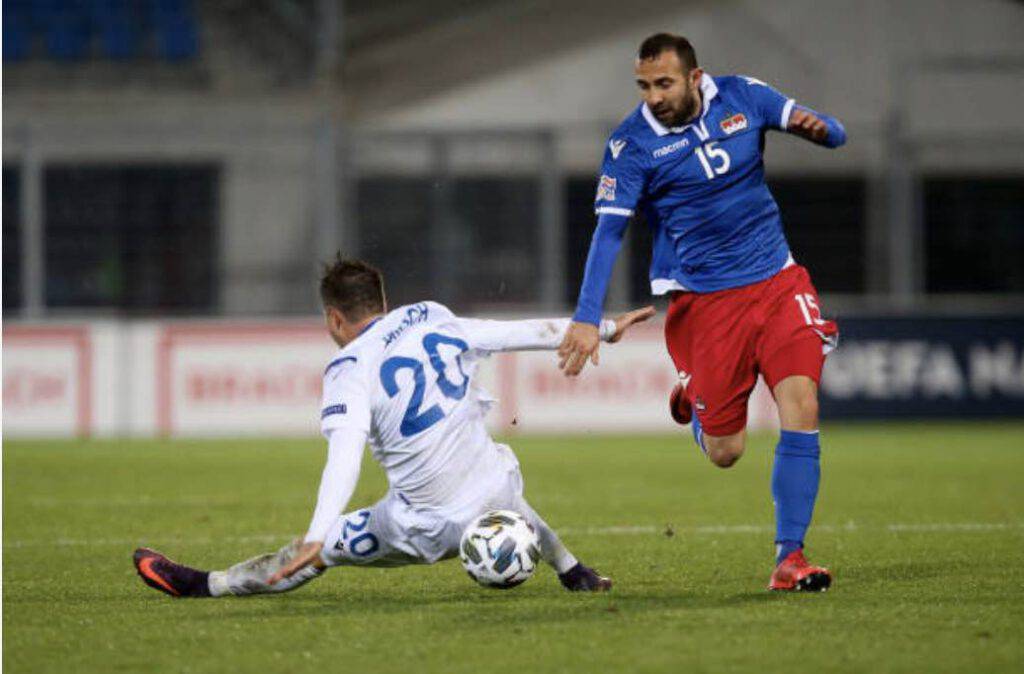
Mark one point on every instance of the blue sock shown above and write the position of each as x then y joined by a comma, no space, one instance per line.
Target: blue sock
795,477
698,433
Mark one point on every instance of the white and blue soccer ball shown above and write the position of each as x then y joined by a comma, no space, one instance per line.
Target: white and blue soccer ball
500,549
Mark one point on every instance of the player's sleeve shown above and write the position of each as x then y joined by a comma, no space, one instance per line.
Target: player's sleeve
527,335
774,109
346,397
619,190
621,183
338,481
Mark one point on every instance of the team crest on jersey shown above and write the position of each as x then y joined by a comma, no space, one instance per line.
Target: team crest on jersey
734,123
605,189
616,147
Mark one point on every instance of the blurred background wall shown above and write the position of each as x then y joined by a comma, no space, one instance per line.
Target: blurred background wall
199,158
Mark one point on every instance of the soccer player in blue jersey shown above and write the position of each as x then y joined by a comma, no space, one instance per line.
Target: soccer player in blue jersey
690,158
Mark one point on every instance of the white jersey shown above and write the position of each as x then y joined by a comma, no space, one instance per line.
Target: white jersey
408,383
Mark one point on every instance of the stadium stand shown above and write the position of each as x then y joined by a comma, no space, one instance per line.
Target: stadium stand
116,30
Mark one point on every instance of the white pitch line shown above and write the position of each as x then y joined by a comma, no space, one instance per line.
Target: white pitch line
954,526
618,530
115,542
615,530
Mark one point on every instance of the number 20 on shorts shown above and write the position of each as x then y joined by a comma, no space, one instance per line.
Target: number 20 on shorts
365,543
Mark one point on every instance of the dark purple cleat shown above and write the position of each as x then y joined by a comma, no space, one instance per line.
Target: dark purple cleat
170,577
584,579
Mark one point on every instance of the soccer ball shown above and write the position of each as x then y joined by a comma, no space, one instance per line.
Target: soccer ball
500,549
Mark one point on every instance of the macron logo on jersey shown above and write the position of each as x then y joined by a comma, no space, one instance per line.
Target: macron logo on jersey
669,149
616,147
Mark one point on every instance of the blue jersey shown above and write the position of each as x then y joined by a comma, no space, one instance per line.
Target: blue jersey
702,189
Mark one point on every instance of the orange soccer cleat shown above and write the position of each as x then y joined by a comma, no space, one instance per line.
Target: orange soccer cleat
169,577
794,574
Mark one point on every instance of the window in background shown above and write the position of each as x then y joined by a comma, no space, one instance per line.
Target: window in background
394,219
12,238
825,220
579,228
140,238
498,258
974,229
471,243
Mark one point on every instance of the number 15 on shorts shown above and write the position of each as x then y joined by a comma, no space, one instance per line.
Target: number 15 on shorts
809,308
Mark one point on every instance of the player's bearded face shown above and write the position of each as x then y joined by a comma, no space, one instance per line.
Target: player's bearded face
670,92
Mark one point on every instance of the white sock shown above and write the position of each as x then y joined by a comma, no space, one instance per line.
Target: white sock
552,549
251,576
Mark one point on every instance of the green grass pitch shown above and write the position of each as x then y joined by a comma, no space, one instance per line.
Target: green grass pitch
923,526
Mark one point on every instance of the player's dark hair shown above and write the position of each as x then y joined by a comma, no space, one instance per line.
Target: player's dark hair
353,287
653,46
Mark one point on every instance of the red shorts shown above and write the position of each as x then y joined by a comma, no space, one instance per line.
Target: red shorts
723,340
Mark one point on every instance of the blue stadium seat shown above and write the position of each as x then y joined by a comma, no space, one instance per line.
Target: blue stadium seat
120,39
175,7
67,36
117,23
120,28
177,38
16,35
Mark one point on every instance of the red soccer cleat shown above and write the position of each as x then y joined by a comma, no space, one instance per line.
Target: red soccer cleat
794,574
679,406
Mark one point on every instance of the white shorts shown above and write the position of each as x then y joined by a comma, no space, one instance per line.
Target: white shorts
393,532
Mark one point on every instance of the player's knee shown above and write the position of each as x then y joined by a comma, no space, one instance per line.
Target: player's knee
724,452
798,407
804,411
724,458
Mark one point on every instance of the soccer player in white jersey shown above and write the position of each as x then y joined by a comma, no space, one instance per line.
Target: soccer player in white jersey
404,381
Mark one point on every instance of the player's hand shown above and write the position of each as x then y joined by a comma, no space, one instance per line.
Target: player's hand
307,554
580,344
623,321
807,125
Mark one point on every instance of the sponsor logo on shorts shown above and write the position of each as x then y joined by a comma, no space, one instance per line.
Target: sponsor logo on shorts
605,189
734,123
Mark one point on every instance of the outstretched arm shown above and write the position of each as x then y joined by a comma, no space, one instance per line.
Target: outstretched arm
581,340
338,481
816,127
778,111
604,248
542,334
528,335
